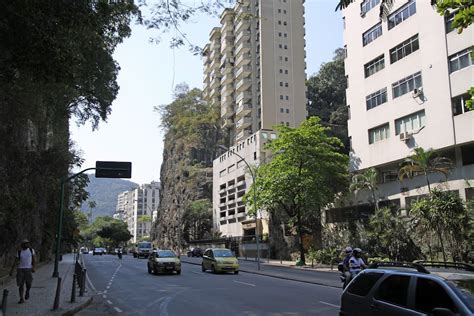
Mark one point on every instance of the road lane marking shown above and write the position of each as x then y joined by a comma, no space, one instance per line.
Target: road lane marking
109,302
164,306
250,284
200,273
104,296
118,309
326,303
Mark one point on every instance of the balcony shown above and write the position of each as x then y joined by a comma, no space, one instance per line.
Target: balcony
243,84
243,71
244,35
243,109
227,79
227,90
243,134
215,84
227,46
243,122
243,60
227,98
243,24
227,123
242,48
227,111
228,36
215,92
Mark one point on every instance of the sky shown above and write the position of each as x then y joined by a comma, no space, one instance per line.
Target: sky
150,71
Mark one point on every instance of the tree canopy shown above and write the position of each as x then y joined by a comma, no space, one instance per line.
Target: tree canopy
306,173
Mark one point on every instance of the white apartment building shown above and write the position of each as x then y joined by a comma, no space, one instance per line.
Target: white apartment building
254,70
132,205
407,79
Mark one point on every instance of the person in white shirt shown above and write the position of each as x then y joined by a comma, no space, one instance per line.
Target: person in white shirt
25,262
356,263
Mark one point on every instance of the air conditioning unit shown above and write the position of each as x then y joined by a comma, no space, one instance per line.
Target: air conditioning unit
417,92
405,136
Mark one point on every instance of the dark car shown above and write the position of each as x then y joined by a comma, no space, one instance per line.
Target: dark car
99,251
195,252
392,288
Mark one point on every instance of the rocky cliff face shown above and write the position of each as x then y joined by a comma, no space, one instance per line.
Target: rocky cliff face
186,171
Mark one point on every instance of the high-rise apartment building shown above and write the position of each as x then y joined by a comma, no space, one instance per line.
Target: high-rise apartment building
254,70
136,208
408,78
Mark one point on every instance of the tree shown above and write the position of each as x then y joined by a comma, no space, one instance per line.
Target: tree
424,162
305,174
92,204
327,97
444,213
117,232
388,236
366,180
197,220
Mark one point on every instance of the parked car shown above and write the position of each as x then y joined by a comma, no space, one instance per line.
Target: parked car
195,252
84,250
99,251
219,260
163,261
394,288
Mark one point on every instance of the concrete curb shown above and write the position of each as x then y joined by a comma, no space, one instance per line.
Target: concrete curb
276,276
78,308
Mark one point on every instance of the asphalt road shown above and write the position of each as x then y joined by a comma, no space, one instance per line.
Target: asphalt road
124,287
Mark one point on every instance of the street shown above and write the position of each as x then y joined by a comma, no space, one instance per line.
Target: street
124,287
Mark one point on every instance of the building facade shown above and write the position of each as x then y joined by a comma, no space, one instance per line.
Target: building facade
254,70
408,79
136,208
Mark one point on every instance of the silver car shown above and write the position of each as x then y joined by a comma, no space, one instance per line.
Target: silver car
410,289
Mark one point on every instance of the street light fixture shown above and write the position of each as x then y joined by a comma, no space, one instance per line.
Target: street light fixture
254,179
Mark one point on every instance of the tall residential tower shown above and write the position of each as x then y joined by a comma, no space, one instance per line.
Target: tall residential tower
254,70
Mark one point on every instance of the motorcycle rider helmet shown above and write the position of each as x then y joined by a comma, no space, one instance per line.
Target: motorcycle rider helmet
348,250
357,250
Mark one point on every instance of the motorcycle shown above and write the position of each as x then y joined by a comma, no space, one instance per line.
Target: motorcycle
119,254
342,276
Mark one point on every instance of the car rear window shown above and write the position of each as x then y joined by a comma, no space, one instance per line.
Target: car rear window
363,283
394,290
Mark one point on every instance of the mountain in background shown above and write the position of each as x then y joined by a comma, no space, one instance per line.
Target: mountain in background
104,192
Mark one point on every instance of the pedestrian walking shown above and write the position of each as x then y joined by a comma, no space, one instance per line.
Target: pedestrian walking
25,263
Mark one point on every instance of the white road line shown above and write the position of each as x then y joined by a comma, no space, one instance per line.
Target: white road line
326,303
108,287
250,284
200,273
109,302
104,296
118,309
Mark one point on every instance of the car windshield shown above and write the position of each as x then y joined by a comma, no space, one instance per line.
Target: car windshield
223,253
165,254
144,245
465,289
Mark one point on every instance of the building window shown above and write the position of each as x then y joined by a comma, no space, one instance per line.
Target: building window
279,34
287,111
404,49
459,104
285,35
280,46
406,85
279,10
279,22
375,99
286,58
287,98
284,23
286,84
286,71
281,97
281,83
467,154
379,133
285,47
281,110
402,14
460,60
410,122
374,66
281,71
368,5
372,34
448,21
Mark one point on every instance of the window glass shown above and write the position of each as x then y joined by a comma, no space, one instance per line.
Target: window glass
409,123
367,5
402,14
375,99
407,84
379,133
374,66
394,290
404,49
364,283
372,34
430,295
460,60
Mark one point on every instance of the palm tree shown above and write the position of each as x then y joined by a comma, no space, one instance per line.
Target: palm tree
424,161
366,180
92,204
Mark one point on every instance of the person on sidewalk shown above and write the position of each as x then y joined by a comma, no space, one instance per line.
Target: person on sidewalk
25,262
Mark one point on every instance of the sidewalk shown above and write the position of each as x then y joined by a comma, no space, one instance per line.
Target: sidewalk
43,292
286,270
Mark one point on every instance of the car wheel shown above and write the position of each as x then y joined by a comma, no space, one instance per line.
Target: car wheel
236,272
203,268
213,269
178,272
149,270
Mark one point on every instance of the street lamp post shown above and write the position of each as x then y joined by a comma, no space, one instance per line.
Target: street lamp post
254,179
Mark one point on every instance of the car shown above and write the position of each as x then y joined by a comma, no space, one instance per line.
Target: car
99,251
400,288
143,249
163,261
219,260
84,251
195,252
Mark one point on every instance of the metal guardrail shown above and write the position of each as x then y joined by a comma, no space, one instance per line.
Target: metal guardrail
80,275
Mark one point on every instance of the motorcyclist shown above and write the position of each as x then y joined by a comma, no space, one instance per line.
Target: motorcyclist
356,263
345,266
119,253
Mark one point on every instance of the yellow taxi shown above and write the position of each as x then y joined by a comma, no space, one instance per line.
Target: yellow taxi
219,260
